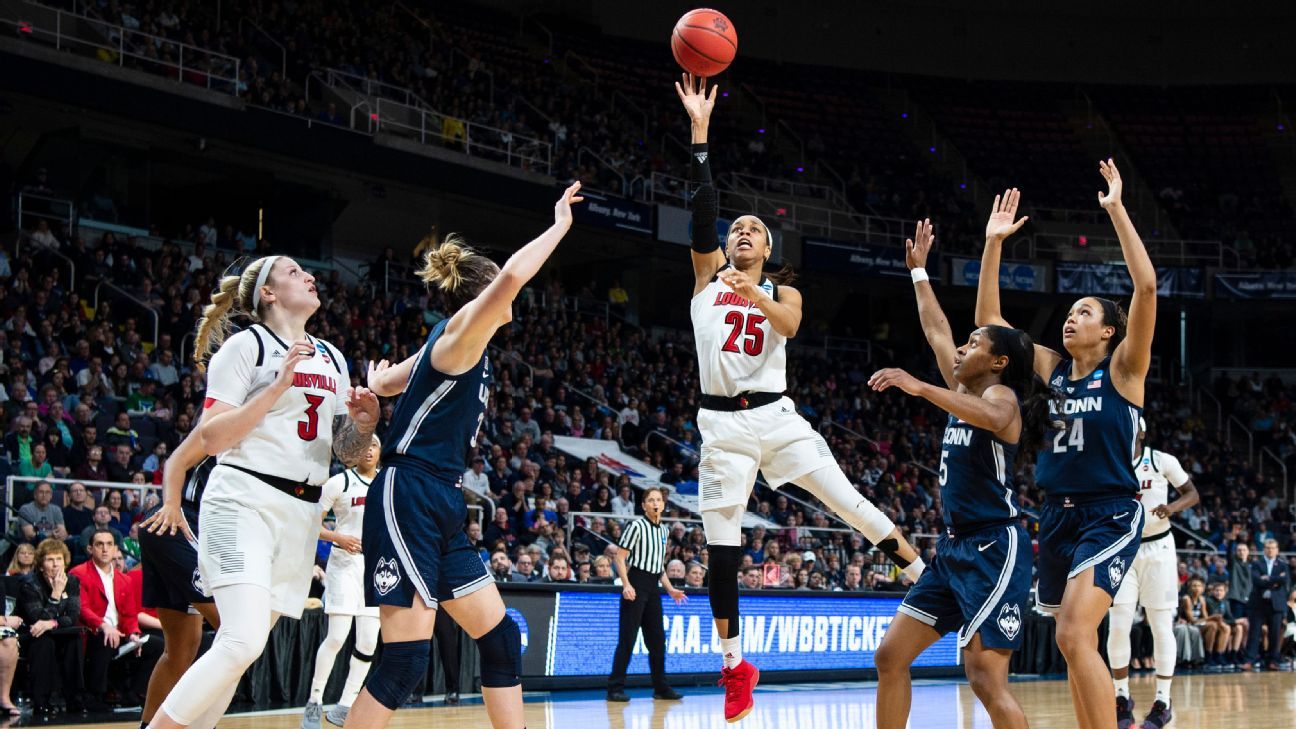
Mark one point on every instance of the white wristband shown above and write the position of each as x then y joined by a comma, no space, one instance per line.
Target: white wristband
918,274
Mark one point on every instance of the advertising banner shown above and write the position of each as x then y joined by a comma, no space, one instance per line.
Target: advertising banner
614,212
1102,279
862,259
1276,285
1013,275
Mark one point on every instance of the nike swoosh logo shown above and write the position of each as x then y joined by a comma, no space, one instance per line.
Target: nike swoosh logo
1123,513
984,547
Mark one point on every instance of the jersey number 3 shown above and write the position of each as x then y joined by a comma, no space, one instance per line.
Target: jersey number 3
754,342
309,429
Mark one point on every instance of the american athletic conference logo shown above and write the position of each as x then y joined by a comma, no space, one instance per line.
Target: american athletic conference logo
1010,620
1116,571
386,575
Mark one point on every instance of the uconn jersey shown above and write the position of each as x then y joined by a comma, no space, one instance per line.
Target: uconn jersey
737,349
192,492
975,478
1093,453
436,420
295,439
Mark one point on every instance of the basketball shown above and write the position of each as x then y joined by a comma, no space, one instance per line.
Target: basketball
704,42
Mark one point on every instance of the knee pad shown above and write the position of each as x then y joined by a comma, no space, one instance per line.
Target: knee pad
1164,644
402,666
1118,634
723,581
501,655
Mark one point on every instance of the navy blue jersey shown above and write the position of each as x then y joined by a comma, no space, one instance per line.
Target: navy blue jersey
1094,454
437,417
975,478
195,483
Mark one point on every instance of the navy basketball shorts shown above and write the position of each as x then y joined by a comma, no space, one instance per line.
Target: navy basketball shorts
170,566
977,583
1103,534
414,541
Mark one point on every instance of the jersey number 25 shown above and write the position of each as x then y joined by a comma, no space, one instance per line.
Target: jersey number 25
754,342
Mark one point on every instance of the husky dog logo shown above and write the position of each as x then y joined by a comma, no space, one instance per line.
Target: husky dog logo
1010,620
386,575
1115,571
197,580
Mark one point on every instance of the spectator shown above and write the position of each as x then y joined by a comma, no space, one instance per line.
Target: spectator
164,369
601,571
675,572
94,468
78,513
9,625
39,519
475,478
102,519
501,529
752,578
119,468
500,566
24,560
624,504
853,581
108,609
122,434
559,570
122,516
50,603
39,465
18,444
695,575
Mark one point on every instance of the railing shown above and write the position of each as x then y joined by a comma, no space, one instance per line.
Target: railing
372,88
142,489
121,46
475,140
283,52
1265,453
760,183
1235,424
1166,251
580,160
643,115
124,294
852,346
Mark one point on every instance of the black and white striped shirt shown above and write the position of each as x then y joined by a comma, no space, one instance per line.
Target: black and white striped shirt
646,543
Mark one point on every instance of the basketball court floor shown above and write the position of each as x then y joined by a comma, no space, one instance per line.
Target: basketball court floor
1265,700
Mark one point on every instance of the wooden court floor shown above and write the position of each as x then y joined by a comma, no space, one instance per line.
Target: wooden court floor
1253,701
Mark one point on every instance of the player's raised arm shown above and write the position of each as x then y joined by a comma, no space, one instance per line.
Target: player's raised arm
471,328
1133,356
989,312
707,254
934,323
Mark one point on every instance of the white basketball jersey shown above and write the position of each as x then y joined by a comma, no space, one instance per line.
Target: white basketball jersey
295,439
1156,472
344,494
737,349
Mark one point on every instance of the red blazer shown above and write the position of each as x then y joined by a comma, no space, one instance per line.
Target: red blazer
94,599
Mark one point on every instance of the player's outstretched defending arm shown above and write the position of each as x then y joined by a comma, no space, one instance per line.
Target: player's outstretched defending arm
707,255
935,325
1133,356
988,310
471,328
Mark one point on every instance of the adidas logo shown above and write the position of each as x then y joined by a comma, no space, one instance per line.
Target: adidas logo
701,157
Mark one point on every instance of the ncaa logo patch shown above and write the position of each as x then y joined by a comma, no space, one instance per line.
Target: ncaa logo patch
1010,620
386,575
1116,571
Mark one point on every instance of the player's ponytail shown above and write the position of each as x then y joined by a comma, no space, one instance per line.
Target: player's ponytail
232,297
457,271
1038,402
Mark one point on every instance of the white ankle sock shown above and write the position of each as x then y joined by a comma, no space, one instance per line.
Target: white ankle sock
1122,686
732,650
1163,690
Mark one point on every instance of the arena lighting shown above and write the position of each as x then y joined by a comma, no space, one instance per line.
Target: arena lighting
904,115
962,185
1083,240
725,94
932,150
260,223
761,130
800,169
373,117
24,27
781,212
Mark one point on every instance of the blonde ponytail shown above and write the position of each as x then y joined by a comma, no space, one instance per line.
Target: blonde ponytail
459,272
233,297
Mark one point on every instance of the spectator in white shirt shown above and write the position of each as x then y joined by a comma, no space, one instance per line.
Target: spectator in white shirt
623,503
475,479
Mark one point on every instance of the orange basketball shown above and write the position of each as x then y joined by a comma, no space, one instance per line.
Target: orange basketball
704,42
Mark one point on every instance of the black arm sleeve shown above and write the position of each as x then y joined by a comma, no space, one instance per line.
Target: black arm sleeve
705,203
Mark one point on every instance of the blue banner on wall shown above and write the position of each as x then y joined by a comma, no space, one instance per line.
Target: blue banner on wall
614,212
1276,285
1102,279
788,632
1013,275
860,258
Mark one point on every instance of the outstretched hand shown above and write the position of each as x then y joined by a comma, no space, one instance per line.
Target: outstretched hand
895,377
697,102
1114,184
562,208
1001,225
362,406
917,247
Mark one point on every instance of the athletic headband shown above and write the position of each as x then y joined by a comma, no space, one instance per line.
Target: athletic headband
262,275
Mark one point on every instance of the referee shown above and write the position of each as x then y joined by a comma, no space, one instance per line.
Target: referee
643,545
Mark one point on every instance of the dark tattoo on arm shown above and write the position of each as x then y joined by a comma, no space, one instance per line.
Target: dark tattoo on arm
349,443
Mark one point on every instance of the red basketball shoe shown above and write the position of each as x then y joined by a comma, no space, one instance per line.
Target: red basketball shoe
739,682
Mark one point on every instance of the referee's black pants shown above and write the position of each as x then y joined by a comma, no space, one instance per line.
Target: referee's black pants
645,612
